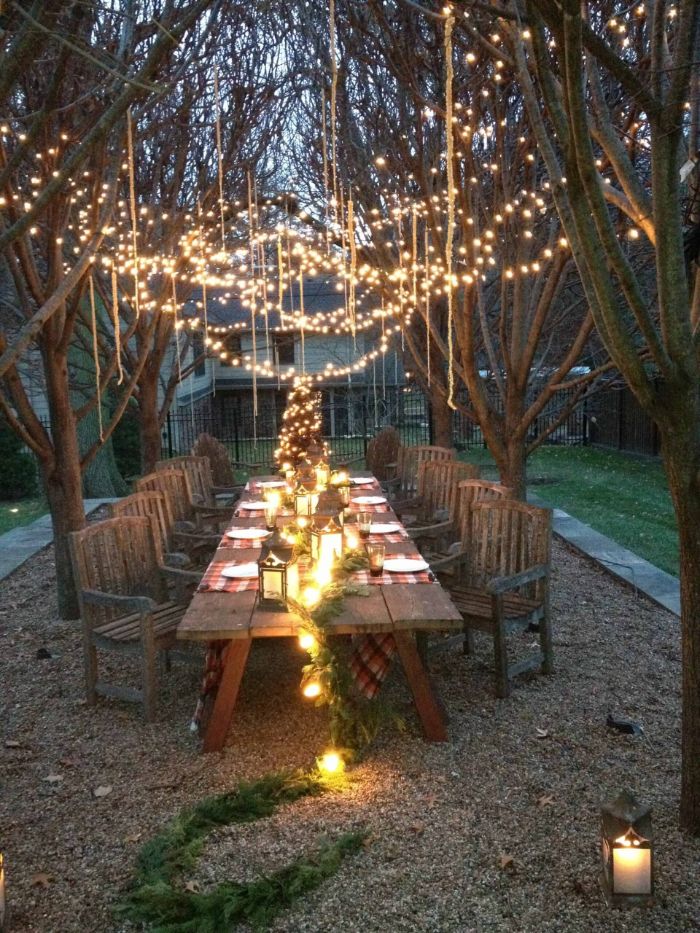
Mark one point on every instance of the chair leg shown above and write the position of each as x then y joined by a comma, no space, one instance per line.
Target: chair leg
500,652
90,660
468,643
150,678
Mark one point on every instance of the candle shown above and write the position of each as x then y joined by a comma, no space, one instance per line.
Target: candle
631,869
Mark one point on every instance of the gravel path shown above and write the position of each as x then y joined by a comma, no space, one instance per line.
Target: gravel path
494,831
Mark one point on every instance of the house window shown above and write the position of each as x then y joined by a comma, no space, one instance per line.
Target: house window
284,347
232,345
198,353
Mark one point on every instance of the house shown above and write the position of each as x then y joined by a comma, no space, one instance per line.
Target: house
219,396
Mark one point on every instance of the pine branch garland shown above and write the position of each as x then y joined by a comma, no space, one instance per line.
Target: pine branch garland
156,900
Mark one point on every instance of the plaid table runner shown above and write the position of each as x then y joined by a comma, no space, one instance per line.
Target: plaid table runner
361,507
393,538
260,513
214,581
213,668
363,577
370,662
227,542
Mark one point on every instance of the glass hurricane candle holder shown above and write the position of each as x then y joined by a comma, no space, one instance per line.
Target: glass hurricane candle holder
271,515
364,524
376,554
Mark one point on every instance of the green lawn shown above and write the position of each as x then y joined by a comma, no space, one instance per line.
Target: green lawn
623,497
21,512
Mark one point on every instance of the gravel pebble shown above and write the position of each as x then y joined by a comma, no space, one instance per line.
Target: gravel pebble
521,779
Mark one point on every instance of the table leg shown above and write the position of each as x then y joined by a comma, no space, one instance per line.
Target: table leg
427,705
226,695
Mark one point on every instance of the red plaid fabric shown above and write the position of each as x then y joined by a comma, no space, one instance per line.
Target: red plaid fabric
360,507
395,538
363,577
213,580
370,662
213,668
240,542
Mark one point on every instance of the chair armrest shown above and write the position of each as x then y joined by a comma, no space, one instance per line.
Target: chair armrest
141,604
228,490
516,580
177,573
183,528
447,563
215,511
177,559
429,531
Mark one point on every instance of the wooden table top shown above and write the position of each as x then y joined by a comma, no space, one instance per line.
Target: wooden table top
396,607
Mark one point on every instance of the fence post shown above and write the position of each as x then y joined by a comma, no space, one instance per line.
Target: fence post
364,428
170,434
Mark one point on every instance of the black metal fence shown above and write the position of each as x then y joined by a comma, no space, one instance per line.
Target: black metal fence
350,418
617,421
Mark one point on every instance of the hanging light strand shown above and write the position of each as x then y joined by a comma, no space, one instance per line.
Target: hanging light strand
449,239
96,356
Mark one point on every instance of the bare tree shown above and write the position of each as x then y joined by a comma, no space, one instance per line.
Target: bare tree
520,338
60,164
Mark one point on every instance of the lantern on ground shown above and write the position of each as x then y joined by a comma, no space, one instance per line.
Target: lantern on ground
628,870
326,538
288,471
278,573
305,499
323,475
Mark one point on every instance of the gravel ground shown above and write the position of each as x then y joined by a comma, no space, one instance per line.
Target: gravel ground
494,831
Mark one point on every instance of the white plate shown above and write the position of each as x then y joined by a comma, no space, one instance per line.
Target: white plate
405,565
361,480
369,500
253,506
391,528
241,534
240,571
271,483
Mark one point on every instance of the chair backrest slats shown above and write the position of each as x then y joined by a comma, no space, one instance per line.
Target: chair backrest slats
506,537
198,470
175,485
155,506
409,460
117,556
467,493
438,484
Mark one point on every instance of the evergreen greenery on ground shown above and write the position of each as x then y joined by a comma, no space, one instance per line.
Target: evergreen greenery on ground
156,899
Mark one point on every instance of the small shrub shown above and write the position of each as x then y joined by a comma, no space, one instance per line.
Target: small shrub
18,475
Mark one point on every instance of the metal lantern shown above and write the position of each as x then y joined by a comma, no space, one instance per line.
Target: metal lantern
305,499
323,474
278,573
628,870
326,538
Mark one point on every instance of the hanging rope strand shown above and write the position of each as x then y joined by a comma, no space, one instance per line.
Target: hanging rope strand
334,96
219,156
115,322
449,76
96,356
132,209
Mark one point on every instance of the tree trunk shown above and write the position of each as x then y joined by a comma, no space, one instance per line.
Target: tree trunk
62,479
441,434
149,423
681,449
514,468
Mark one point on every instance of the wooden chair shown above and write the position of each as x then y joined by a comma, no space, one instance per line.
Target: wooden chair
205,495
124,604
403,487
451,537
188,516
436,493
156,507
500,581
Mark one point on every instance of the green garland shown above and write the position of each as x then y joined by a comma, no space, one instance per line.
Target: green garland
354,720
155,899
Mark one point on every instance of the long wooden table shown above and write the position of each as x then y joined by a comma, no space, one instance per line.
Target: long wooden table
404,609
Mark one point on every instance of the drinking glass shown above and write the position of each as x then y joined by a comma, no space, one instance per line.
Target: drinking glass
364,523
375,553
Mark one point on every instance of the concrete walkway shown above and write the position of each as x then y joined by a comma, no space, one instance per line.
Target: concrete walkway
633,570
20,544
